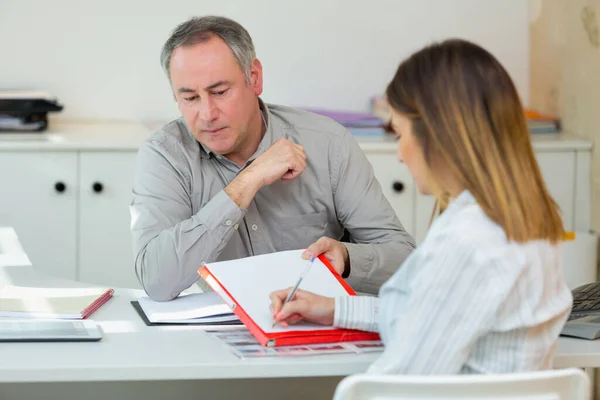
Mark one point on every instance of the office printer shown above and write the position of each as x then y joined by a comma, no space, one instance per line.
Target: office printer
26,111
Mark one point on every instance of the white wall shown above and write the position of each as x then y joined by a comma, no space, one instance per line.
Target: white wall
101,57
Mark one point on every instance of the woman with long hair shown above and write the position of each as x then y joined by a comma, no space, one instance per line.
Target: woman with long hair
484,292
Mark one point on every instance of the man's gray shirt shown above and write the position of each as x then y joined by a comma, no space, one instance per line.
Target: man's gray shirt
181,216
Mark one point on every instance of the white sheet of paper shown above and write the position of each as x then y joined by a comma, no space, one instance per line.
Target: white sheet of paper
251,280
206,306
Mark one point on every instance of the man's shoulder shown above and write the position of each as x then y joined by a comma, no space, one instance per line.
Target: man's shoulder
173,135
303,121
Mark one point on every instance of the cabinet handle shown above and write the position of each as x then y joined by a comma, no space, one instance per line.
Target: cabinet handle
398,186
60,187
97,187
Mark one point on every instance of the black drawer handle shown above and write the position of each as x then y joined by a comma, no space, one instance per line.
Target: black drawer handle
398,186
60,187
97,187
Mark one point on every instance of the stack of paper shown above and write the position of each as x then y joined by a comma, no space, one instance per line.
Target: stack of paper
196,308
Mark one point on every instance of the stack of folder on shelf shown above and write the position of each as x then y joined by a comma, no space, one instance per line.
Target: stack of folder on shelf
542,123
537,122
51,303
360,124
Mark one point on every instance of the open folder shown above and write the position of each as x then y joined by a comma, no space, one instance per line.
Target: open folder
189,309
245,284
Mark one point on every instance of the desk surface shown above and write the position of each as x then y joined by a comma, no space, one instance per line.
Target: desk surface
132,351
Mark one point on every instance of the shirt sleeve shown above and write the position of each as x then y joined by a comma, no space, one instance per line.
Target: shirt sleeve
452,301
169,243
380,242
356,312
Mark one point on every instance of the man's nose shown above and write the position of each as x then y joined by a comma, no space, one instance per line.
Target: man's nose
208,110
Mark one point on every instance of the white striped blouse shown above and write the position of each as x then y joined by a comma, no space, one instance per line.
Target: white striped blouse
467,300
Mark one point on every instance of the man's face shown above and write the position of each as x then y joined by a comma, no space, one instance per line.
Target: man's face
216,102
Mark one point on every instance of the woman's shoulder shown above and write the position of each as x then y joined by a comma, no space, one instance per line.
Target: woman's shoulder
470,230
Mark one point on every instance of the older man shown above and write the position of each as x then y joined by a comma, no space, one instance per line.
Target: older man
235,177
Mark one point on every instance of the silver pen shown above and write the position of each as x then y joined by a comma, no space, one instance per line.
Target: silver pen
293,291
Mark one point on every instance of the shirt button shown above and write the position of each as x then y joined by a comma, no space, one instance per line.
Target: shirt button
254,227
228,222
235,226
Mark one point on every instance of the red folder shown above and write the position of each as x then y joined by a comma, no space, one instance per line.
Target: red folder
61,303
290,337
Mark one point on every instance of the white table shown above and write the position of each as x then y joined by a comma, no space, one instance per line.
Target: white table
130,350
573,352
146,362
137,361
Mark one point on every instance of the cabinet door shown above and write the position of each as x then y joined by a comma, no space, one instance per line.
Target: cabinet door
397,185
558,172
423,211
38,198
105,252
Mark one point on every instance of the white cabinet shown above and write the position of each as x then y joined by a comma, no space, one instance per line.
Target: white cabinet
105,252
71,212
70,206
559,170
397,185
38,198
423,211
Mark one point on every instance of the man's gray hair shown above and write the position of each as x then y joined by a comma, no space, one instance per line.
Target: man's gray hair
201,29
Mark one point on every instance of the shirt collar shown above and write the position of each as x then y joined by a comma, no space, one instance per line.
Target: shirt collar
265,143
464,199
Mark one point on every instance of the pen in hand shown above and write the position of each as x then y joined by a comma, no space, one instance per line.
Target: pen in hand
293,291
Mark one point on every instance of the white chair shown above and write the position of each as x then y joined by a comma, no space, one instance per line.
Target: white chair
562,384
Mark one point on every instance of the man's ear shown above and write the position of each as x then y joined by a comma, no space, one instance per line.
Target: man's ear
256,77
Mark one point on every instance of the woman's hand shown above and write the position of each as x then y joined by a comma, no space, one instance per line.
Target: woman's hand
304,305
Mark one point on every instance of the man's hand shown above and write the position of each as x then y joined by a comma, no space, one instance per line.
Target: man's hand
334,251
303,306
283,160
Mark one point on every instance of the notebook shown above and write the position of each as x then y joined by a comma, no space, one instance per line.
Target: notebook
190,309
245,284
55,303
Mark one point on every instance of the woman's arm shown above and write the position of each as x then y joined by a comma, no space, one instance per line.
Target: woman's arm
356,312
452,301
352,312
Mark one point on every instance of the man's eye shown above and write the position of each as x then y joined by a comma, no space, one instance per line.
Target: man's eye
221,93
190,98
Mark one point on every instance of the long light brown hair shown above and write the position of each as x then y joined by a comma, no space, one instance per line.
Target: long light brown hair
467,117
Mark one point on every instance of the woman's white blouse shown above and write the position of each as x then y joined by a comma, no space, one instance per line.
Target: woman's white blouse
467,300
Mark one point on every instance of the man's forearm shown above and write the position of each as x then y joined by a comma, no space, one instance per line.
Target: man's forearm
373,264
169,262
166,263
243,188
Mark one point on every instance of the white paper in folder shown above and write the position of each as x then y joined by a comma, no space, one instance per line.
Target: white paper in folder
579,259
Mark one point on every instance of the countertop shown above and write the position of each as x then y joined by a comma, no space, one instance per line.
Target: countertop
97,136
